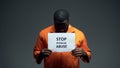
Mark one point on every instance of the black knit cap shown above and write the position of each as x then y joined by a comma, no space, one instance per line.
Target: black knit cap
61,14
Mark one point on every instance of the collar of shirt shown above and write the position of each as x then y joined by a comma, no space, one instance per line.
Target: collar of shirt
70,29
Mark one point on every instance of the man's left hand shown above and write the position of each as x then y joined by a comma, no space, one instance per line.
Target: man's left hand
78,52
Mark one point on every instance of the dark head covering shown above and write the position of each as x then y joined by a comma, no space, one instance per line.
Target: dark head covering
61,14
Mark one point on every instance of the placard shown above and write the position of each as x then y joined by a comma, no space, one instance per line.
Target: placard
61,42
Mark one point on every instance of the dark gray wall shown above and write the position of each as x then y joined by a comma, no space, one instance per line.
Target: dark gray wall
20,22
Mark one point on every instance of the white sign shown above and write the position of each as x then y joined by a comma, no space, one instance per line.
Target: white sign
61,42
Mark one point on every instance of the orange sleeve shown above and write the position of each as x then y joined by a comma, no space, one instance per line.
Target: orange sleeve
38,47
85,47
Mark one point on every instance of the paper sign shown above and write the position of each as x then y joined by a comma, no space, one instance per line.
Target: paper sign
61,42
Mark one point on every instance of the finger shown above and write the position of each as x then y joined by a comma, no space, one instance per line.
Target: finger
48,50
77,51
47,54
73,51
77,55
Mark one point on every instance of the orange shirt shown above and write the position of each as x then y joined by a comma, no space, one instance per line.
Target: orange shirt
61,59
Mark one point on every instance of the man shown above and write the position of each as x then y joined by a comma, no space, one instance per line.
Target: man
61,59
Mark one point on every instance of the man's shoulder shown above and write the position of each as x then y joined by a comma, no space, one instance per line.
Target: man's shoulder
77,30
47,29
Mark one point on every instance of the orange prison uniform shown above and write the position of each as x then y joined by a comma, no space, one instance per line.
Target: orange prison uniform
61,59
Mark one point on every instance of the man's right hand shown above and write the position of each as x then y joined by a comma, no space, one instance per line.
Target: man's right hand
45,52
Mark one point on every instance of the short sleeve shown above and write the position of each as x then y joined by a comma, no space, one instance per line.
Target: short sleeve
38,46
84,46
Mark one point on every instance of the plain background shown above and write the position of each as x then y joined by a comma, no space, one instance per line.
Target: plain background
21,21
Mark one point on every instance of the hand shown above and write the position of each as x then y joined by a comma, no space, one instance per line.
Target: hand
45,52
78,52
